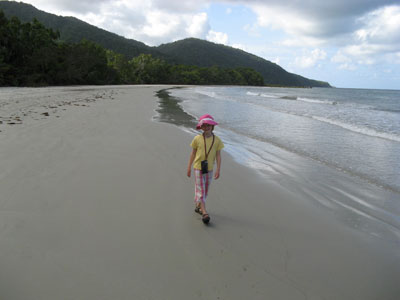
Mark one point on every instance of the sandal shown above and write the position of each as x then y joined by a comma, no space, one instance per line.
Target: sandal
205,218
198,210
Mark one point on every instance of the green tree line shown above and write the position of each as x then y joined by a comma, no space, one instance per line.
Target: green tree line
33,55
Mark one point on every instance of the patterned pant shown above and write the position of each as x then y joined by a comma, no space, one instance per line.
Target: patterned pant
202,184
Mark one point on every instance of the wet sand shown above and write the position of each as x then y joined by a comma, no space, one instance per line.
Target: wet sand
95,204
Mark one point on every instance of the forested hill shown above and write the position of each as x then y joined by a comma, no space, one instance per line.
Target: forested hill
189,51
202,53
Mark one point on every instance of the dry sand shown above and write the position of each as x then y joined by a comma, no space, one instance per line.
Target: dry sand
95,204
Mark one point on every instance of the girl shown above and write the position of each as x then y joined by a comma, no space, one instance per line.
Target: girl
206,148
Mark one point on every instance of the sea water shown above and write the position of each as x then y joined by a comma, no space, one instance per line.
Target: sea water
339,147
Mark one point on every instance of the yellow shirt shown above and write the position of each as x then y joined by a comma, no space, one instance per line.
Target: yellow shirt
198,144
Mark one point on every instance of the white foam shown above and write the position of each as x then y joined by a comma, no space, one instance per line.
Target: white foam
260,95
267,96
316,101
206,93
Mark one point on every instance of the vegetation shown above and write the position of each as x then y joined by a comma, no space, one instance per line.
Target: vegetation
33,55
206,54
190,52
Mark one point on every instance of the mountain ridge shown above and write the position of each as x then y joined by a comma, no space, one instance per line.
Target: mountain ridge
189,51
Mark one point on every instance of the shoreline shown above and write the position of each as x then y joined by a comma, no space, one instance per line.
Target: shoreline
325,184
96,205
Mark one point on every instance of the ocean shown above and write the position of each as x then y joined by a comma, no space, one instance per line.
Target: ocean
338,147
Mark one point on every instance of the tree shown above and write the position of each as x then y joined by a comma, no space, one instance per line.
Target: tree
121,65
86,63
147,69
252,77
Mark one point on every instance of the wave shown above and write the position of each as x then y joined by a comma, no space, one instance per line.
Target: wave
351,127
388,110
267,96
261,95
316,101
308,100
361,130
210,94
294,98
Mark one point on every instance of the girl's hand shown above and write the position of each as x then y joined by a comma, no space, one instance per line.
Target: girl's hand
216,175
191,159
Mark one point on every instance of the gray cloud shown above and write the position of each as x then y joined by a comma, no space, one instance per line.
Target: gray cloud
328,18
179,6
80,7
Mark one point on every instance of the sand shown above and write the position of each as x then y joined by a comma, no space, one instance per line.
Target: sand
95,204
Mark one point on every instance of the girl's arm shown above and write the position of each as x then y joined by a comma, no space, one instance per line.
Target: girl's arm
191,159
218,158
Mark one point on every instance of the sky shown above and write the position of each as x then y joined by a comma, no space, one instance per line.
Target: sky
348,43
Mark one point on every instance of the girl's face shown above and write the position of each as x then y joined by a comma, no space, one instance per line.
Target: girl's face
207,128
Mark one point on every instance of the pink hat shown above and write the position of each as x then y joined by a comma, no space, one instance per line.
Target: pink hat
206,119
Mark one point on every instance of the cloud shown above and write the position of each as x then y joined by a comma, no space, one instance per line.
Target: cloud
276,60
363,32
340,58
178,6
160,27
376,41
153,26
197,25
217,37
381,25
348,67
380,30
302,41
343,61
240,47
80,7
152,21
314,19
310,59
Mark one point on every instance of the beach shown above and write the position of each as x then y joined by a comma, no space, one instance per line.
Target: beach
95,204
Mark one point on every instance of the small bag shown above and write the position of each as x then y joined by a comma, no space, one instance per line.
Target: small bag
204,167
204,163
